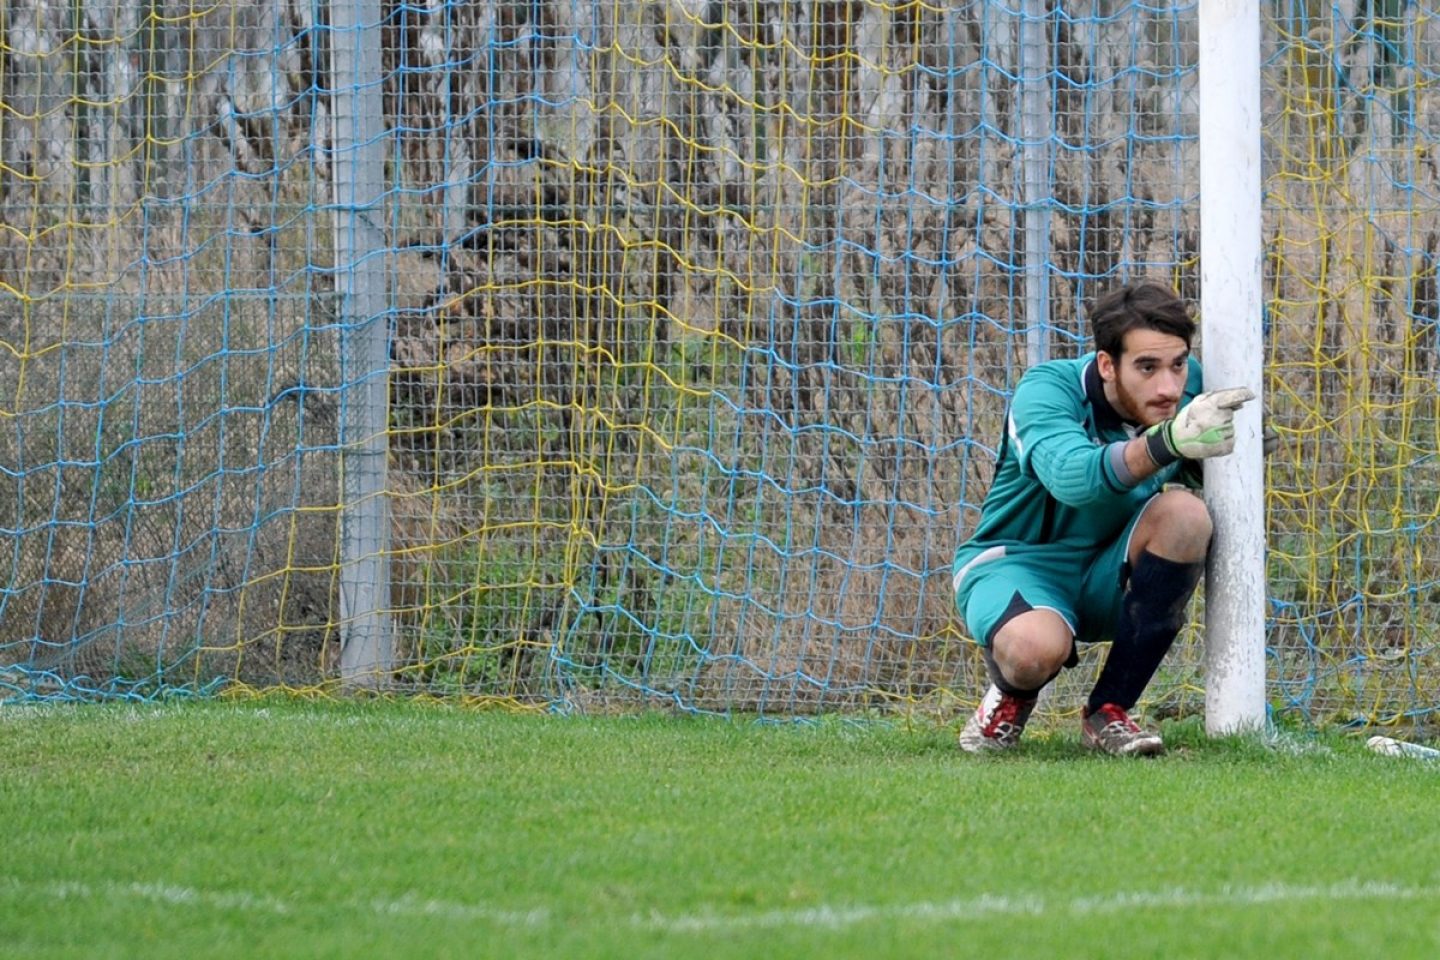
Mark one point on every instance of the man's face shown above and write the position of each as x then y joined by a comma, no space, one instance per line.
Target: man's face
1145,383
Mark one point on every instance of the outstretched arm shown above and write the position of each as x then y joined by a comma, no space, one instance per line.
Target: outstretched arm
1061,454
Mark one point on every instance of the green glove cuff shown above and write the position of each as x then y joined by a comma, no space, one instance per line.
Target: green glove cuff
1157,444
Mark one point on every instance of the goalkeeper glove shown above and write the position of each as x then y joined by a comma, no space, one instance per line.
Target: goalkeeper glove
1205,428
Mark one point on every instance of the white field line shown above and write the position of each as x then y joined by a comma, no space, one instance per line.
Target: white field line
978,908
826,917
409,906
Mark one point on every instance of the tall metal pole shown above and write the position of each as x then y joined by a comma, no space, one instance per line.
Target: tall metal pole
366,656
1231,301
1036,132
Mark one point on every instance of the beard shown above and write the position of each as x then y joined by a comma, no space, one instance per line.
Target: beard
1132,408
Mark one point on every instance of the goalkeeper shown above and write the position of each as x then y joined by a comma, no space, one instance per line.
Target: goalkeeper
1090,530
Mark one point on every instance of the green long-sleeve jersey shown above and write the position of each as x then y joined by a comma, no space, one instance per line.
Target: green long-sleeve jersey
1055,481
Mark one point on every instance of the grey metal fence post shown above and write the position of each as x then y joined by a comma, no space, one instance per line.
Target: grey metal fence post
366,656
1036,131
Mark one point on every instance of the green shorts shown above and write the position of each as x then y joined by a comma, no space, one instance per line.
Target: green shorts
1083,588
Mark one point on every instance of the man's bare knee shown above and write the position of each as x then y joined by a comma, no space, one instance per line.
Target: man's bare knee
1031,648
1176,526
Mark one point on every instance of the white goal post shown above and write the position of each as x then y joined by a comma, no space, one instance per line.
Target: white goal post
1231,303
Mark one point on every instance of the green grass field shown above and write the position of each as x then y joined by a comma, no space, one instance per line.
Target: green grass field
410,830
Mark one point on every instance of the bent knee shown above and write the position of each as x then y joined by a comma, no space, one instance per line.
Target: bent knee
1034,645
1177,524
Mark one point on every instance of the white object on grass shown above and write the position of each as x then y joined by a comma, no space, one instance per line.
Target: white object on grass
1390,747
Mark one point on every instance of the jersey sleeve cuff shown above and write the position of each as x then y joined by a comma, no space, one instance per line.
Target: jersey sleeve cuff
1124,479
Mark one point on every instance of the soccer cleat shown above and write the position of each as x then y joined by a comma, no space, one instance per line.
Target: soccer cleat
997,723
1110,729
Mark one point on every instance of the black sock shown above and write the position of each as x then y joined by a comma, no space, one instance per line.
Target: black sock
1151,614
